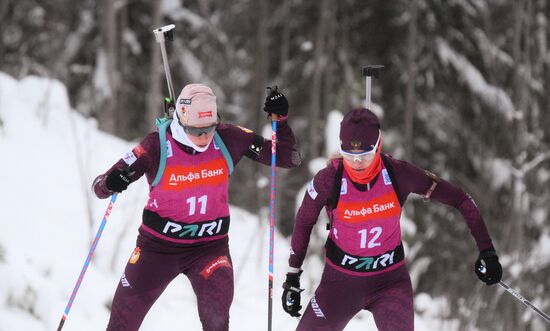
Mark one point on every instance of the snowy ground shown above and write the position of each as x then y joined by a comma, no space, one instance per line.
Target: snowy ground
50,156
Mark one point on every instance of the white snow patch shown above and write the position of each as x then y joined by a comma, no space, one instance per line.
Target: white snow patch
408,227
184,15
101,77
306,46
316,165
169,6
332,132
541,256
431,310
501,170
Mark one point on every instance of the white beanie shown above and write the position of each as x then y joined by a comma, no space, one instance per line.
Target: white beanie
196,105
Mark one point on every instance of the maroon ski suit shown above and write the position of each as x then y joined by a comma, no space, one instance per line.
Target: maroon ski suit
185,223
365,266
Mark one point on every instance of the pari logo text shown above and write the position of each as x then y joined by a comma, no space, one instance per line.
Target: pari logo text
193,231
368,263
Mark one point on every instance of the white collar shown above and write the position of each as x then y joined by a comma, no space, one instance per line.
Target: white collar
180,136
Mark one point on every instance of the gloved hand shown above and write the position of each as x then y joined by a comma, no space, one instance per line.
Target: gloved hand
118,180
276,103
487,267
291,294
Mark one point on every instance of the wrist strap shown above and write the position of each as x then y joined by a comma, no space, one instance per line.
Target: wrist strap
293,270
489,252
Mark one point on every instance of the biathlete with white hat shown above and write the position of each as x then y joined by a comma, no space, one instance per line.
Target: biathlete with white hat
363,192
185,222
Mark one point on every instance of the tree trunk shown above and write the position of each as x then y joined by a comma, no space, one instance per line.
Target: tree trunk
519,149
108,102
74,41
410,98
124,114
545,59
3,23
344,51
328,95
320,58
154,96
285,44
518,218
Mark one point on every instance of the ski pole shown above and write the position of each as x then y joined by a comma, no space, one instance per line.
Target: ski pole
526,302
161,35
87,262
518,296
272,217
368,72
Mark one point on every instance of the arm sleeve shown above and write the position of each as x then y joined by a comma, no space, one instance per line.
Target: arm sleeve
287,153
142,159
239,142
412,179
315,198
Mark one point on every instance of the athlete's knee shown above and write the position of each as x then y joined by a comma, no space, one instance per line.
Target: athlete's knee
214,314
123,320
215,323
128,309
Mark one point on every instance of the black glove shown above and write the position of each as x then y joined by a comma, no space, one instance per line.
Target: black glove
276,103
118,180
487,267
291,294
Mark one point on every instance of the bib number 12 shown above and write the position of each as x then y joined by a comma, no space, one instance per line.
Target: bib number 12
376,232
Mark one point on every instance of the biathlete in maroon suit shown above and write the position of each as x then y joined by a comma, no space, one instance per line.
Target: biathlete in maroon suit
186,219
363,193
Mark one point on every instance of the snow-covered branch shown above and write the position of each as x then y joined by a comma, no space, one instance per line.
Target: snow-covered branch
528,166
491,95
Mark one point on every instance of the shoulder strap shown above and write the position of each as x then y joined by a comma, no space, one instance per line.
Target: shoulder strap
162,124
335,196
336,188
218,140
389,167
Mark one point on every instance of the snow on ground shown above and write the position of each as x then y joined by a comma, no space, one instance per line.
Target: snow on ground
50,157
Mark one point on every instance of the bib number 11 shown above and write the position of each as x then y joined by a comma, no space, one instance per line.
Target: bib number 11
192,202
376,232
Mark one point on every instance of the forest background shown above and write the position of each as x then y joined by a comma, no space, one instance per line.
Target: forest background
464,93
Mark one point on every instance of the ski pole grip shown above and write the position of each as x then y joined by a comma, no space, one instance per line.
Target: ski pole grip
164,33
372,70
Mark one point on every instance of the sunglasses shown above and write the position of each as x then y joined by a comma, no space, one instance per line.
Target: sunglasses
351,156
199,131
